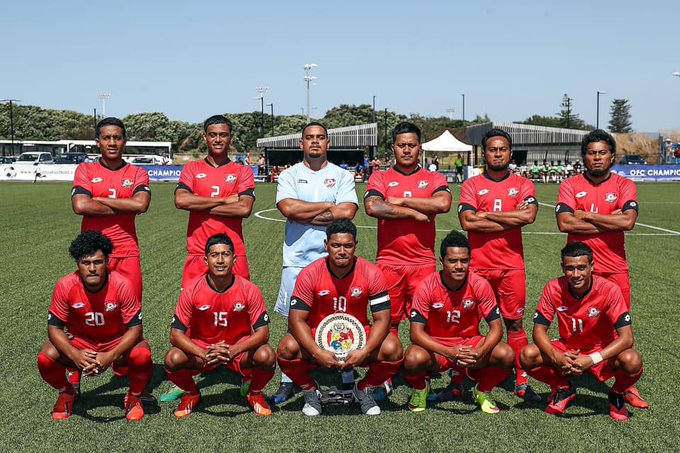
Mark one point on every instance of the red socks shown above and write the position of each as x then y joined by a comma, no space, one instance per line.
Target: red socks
517,341
53,373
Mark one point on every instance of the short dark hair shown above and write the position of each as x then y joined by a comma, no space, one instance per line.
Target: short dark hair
454,239
598,135
313,123
110,121
341,226
574,249
87,244
495,132
218,119
405,128
220,238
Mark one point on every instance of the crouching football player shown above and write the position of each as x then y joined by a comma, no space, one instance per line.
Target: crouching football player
103,319
220,320
445,315
596,336
340,283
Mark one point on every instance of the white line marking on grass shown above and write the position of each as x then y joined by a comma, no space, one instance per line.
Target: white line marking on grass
670,232
260,215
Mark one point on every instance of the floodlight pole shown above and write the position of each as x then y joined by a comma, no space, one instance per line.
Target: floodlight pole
261,91
272,110
597,123
104,97
463,107
11,121
308,79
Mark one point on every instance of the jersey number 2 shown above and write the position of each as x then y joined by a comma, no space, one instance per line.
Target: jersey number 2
94,319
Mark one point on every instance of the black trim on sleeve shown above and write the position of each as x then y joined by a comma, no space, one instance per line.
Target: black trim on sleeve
53,320
248,192
493,315
177,324
531,200
623,321
540,319
381,306
373,193
135,321
182,186
562,207
417,317
465,207
298,304
77,190
631,204
142,188
441,189
262,321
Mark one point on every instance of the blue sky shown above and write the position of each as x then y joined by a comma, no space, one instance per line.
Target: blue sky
189,60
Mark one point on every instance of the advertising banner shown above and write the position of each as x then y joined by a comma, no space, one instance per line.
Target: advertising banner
648,172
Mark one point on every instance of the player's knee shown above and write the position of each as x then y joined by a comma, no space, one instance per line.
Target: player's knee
50,351
415,359
288,348
175,360
265,358
391,349
504,355
140,356
530,357
630,360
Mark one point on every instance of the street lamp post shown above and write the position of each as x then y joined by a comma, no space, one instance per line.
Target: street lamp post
104,97
597,122
463,107
309,78
11,121
272,110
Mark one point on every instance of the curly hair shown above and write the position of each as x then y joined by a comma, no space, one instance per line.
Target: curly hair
341,226
88,243
454,239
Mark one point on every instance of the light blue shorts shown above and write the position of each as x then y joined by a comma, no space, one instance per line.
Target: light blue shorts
289,276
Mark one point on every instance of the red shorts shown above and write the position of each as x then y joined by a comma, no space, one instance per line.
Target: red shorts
444,362
195,266
130,268
234,365
401,284
80,343
603,371
509,285
622,281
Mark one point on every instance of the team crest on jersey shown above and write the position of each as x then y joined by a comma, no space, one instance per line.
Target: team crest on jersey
513,191
393,184
610,197
593,312
356,292
324,292
329,182
78,305
581,194
127,183
483,192
423,184
438,305
201,176
468,303
203,307
96,180
562,308
238,306
230,178
110,306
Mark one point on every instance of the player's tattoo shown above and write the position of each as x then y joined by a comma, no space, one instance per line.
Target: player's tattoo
325,218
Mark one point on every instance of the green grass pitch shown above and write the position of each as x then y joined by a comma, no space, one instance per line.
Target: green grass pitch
37,225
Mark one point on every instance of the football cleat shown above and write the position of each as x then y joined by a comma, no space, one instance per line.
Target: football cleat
617,407
525,392
148,399
486,403
632,397
284,393
312,406
418,400
173,394
63,408
561,400
133,408
366,401
259,405
384,391
187,405
449,393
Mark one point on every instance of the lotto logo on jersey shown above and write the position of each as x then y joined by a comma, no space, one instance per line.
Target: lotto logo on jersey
438,305
201,176
423,184
324,292
393,184
562,308
468,303
593,312
78,305
513,191
204,307
483,192
96,180
356,292
610,197
581,194
230,179
127,183
414,313
266,317
238,306
329,182
110,306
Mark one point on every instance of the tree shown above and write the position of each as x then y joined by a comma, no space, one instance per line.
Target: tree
620,120
539,120
145,126
568,118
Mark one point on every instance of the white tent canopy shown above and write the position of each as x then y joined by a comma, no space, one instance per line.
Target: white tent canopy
446,143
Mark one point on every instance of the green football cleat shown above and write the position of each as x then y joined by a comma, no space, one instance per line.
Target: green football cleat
485,402
173,394
418,400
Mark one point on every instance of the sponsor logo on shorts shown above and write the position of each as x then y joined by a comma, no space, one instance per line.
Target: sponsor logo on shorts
393,184
581,194
201,176
127,183
78,305
483,192
593,312
610,197
423,184
324,292
513,191
110,306
203,307
238,306
230,178
329,182
357,292
468,303
96,180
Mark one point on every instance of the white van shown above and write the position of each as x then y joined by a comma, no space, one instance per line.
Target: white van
34,158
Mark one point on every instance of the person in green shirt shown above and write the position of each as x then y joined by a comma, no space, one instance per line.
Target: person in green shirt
459,168
535,171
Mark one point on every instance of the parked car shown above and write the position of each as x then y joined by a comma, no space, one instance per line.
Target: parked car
632,159
6,160
34,158
71,158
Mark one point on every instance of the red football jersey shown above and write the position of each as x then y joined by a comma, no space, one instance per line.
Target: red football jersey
617,192
204,180
98,317
501,250
406,241
95,180
318,291
448,314
588,323
211,316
